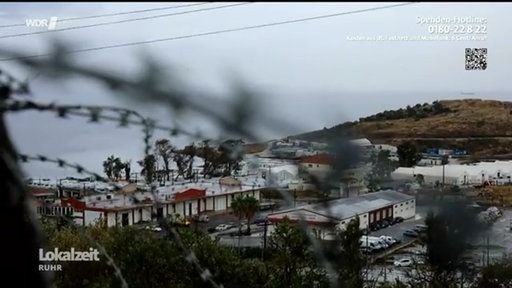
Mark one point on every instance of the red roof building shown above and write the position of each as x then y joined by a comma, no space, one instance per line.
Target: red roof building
190,194
325,159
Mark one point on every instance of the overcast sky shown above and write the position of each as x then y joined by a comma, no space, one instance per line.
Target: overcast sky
308,73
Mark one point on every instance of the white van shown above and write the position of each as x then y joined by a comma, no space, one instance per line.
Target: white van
382,242
373,246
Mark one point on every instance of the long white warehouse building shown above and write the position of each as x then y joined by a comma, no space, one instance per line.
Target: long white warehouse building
458,174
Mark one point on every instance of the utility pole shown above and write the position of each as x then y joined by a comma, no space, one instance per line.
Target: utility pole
265,228
488,250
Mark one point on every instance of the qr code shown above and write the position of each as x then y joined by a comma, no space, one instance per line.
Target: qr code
476,58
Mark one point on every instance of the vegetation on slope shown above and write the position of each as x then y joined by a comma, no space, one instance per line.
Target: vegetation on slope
444,124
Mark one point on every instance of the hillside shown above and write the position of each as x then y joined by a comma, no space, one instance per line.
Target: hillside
480,126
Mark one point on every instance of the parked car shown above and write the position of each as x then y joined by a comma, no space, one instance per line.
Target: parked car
201,218
411,233
223,227
404,262
398,220
242,232
260,221
374,227
420,228
154,228
384,224
389,240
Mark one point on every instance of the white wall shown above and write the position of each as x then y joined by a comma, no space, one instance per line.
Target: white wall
319,170
91,217
429,162
405,209
363,222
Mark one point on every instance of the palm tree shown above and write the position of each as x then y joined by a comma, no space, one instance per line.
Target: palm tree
238,206
252,206
108,166
117,168
148,168
245,207
127,167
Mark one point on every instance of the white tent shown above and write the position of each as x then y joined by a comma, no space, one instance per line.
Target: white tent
457,174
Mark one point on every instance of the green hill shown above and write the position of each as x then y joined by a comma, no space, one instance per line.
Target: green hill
483,127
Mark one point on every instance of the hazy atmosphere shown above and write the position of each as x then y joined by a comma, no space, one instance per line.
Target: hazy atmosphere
312,73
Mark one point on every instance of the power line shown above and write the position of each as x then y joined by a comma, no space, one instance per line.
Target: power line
213,32
113,14
120,21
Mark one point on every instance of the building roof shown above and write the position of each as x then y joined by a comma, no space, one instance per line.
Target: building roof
178,192
317,159
348,207
458,170
40,191
361,142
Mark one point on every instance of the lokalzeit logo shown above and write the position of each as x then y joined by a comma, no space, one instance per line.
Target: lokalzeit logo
71,255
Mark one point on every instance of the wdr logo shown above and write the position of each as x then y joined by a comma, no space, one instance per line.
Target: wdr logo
50,24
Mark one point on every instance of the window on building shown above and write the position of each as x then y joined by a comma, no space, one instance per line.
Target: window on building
310,165
364,216
396,206
342,222
402,204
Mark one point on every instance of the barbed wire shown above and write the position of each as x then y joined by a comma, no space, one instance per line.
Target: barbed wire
122,116
94,115
24,158
154,86
164,223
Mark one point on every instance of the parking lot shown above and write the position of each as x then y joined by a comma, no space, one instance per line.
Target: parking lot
396,231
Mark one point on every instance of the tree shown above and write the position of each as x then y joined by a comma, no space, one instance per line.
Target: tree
497,275
164,150
446,239
245,207
108,166
127,167
238,206
211,158
113,167
293,264
184,160
148,165
420,179
352,263
118,167
408,154
231,154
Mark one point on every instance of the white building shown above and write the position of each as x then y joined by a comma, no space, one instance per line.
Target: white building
370,208
458,174
430,161
186,199
317,165
365,145
282,176
385,147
